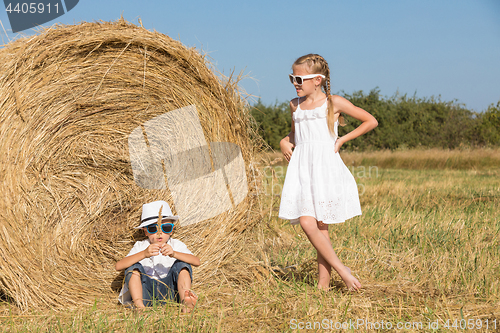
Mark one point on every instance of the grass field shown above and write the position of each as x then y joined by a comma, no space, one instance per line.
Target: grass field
426,249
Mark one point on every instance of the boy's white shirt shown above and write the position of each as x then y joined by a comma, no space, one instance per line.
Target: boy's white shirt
156,267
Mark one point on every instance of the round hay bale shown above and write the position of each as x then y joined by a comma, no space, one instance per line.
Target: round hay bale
72,98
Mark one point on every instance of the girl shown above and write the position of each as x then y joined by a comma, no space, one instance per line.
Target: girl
319,189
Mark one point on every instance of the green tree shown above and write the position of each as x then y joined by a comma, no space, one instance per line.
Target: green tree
489,126
274,122
404,122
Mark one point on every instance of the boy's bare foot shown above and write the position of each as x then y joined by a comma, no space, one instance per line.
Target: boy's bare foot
138,305
190,299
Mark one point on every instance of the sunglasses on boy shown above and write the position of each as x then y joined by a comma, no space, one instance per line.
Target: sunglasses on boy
299,79
165,227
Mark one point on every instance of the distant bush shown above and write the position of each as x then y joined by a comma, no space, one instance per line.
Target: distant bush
404,122
489,126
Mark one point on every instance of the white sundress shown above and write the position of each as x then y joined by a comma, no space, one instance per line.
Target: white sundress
317,182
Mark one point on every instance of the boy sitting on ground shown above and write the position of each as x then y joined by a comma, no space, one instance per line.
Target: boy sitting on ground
159,267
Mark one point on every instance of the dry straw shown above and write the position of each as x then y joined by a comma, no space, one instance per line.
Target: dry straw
70,96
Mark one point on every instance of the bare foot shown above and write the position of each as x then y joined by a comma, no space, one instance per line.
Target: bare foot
324,283
190,299
138,305
323,288
350,281
355,287
138,309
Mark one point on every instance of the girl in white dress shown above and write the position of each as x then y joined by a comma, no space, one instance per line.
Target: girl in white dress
319,189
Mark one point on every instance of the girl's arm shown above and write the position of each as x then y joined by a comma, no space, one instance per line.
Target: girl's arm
340,104
288,142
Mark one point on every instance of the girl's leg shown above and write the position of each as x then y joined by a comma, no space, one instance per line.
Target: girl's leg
135,287
324,268
187,297
325,249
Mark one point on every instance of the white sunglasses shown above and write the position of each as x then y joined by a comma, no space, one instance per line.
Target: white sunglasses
299,79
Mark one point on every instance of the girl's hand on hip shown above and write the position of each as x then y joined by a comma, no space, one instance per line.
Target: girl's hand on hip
338,144
286,149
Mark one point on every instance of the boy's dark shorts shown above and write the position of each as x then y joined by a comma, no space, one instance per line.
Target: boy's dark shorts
159,290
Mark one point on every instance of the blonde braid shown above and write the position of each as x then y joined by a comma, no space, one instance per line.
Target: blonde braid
328,93
327,87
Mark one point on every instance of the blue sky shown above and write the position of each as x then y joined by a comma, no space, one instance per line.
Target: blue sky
447,48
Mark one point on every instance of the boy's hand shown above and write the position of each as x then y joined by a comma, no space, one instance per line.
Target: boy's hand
167,250
152,250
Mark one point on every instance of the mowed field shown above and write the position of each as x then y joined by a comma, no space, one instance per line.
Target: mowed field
426,249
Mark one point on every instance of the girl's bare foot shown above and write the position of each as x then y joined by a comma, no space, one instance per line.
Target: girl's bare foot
190,299
350,281
351,284
324,288
324,283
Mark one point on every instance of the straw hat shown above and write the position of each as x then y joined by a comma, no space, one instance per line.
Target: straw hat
150,212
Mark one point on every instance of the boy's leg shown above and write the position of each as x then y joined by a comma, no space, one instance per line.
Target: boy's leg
177,284
183,283
135,287
186,296
136,279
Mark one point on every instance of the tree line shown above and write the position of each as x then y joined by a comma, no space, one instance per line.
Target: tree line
404,122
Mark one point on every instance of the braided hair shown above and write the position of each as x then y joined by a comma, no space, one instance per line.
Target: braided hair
318,65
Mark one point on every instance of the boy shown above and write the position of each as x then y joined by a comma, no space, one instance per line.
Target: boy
159,267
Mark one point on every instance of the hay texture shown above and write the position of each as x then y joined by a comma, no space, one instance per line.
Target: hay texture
71,97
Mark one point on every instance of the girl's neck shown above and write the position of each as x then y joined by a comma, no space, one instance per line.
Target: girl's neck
313,98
